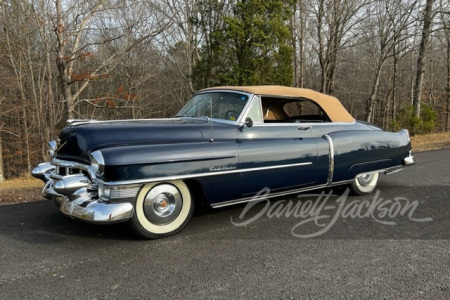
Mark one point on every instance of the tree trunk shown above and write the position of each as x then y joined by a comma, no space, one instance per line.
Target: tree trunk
394,87
2,178
448,81
301,44
417,96
374,94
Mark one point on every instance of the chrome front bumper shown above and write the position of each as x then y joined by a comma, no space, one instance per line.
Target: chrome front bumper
93,211
78,197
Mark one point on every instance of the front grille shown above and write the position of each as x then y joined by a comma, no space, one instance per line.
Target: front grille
68,171
129,192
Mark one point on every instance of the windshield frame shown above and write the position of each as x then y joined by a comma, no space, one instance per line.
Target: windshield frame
238,119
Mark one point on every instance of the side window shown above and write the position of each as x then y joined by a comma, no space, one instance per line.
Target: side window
305,111
254,111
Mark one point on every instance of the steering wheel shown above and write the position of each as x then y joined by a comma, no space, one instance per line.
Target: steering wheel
229,114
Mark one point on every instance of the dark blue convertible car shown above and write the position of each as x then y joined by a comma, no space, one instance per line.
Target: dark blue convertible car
222,148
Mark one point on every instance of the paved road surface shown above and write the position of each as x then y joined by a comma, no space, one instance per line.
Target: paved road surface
46,255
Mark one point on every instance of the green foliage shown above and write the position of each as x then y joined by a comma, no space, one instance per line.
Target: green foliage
253,46
426,123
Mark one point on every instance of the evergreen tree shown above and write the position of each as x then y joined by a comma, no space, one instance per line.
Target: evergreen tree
252,47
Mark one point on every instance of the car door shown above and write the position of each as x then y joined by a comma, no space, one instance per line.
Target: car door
280,156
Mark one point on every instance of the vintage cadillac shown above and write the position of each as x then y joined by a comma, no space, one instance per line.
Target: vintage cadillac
222,148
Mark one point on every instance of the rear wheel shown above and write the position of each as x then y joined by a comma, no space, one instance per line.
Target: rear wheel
364,184
162,209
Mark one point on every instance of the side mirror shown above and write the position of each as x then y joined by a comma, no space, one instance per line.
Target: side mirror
248,123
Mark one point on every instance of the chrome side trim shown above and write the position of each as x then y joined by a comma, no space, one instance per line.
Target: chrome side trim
305,189
248,199
331,156
393,170
188,176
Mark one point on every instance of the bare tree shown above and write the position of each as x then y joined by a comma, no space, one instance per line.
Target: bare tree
299,28
89,28
333,22
445,19
391,18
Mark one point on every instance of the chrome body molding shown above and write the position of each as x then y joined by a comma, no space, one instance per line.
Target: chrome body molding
271,195
331,158
301,190
197,175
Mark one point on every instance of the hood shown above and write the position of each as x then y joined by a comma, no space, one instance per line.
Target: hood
78,140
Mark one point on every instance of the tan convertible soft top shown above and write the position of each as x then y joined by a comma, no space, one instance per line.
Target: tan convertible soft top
331,105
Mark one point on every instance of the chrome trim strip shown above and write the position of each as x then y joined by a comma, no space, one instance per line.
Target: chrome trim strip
393,170
188,176
315,187
75,122
248,199
331,156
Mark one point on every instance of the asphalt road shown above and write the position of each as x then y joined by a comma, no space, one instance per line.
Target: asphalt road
398,249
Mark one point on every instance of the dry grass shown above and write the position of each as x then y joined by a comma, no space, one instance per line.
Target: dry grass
20,183
20,190
430,141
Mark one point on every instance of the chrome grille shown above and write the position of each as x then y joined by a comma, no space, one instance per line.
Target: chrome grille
124,193
67,171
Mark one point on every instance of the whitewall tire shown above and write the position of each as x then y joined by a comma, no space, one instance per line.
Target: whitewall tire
162,209
365,183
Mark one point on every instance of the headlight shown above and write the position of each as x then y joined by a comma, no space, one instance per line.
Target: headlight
97,162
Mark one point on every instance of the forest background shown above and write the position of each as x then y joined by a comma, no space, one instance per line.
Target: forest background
388,61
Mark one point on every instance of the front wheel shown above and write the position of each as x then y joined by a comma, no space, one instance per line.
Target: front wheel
364,184
162,209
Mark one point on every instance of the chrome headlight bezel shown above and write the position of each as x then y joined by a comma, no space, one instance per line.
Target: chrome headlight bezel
104,192
97,162
53,145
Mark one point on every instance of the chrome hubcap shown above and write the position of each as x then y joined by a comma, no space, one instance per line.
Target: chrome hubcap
365,179
163,204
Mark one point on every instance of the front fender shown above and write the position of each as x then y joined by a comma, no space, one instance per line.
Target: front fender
156,161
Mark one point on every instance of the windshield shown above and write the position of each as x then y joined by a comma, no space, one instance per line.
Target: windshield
218,105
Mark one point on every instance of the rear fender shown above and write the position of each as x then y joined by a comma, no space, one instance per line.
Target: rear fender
362,151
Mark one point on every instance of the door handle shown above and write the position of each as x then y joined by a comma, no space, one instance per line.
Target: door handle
304,127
